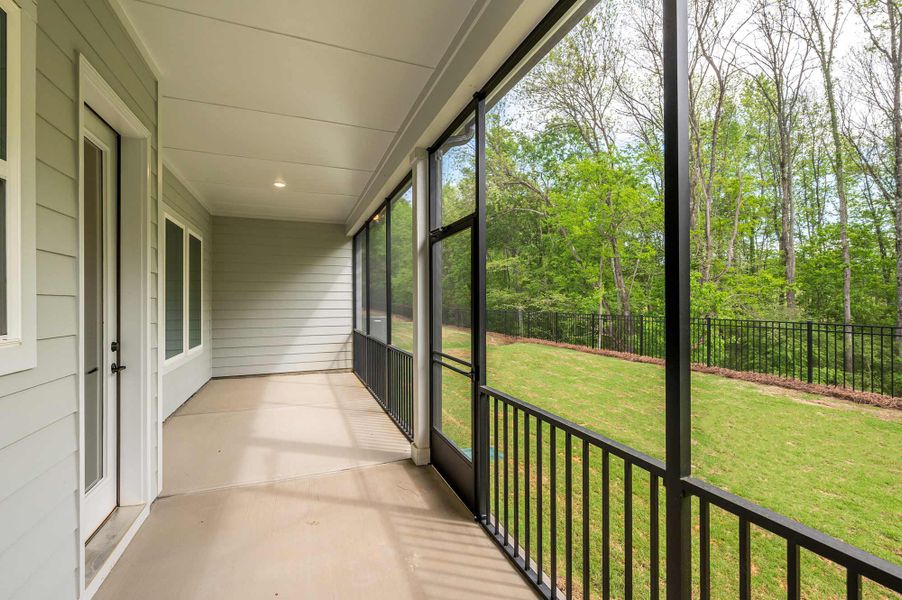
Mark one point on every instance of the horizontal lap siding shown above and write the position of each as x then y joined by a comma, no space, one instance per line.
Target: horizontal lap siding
39,407
185,378
282,297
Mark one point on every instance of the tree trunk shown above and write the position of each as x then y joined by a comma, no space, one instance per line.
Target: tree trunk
623,294
825,55
600,298
787,218
895,43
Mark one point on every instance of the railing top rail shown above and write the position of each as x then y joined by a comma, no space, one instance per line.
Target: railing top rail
652,317
863,563
400,350
634,457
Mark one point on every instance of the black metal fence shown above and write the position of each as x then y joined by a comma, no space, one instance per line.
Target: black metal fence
857,357
548,521
388,373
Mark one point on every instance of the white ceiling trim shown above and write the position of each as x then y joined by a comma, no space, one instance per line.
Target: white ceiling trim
132,32
187,183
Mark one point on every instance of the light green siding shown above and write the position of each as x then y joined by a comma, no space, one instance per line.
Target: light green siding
38,407
282,297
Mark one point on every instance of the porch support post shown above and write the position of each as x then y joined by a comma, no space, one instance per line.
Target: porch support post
676,292
419,166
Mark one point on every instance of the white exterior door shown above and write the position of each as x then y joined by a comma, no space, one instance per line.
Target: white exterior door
100,345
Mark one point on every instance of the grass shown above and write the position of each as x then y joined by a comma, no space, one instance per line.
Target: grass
829,464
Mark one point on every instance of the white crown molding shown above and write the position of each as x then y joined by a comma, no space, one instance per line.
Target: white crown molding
129,25
185,182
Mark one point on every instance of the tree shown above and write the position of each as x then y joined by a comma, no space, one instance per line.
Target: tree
821,30
876,132
714,64
783,68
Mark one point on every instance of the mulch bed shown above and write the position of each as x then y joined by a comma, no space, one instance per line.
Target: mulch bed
859,397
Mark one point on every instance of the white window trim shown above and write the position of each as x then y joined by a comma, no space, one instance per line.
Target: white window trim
187,353
18,348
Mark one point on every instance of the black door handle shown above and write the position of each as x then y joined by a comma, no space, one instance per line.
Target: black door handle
117,368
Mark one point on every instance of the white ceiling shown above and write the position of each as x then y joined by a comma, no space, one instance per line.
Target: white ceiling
309,91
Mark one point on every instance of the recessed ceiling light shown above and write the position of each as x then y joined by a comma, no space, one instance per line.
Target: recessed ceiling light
278,183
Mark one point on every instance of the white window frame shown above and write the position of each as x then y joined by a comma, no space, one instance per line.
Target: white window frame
18,347
188,231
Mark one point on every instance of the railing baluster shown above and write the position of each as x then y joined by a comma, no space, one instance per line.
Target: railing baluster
653,536
704,552
526,486
568,512
745,560
540,491
553,458
585,507
793,586
605,525
497,458
853,585
627,529
516,482
506,498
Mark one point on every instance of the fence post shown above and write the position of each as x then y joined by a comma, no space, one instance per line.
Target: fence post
810,352
641,335
528,325
708,340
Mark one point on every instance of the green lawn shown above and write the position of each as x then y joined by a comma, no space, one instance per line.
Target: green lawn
830,464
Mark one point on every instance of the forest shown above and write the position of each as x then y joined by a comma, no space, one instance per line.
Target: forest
795,166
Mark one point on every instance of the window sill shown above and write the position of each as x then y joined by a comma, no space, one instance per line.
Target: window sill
17,355
179,360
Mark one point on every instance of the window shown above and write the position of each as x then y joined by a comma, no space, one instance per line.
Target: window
175,291
183,282
195,284
10,280
18,323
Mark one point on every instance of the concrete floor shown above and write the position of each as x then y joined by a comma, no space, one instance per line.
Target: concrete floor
299,486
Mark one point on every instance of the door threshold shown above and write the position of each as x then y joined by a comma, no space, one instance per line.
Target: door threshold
106,544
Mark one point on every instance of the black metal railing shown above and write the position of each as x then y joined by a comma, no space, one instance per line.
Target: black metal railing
856,357
388,374
552,488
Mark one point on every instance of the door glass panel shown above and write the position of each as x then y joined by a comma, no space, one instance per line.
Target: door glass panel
455,162
455,419
378,287
93,353
195,281
451,262
175,289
